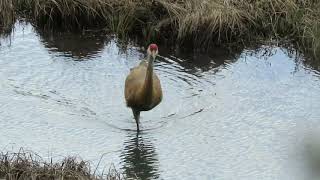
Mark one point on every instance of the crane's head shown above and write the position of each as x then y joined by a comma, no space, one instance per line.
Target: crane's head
153,50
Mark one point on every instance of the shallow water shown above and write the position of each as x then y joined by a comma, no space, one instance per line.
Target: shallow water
223,116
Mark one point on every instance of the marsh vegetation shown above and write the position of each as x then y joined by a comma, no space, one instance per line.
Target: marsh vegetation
197,22
28,165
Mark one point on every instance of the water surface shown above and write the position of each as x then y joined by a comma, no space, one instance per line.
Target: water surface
238,115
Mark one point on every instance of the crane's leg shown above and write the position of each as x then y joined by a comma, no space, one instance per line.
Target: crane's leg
136,115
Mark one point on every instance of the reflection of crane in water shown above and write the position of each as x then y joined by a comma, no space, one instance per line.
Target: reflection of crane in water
142,87
139,158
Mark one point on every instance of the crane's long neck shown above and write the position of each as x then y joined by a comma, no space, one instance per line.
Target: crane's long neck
148,82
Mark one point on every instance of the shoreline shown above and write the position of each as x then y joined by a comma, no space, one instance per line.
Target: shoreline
202,24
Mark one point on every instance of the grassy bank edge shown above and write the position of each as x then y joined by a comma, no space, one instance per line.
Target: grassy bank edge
201,23
29,165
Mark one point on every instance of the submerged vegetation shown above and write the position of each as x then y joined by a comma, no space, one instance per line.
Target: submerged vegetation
28,165
201,22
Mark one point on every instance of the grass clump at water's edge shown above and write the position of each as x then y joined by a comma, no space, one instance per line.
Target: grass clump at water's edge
7,16
28,165
202,22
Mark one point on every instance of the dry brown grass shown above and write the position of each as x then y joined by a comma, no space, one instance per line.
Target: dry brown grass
7,15
201,22
28,165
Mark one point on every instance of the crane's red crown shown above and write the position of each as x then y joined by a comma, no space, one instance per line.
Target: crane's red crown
153,47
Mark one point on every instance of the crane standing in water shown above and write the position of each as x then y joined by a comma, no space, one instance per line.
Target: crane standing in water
142,87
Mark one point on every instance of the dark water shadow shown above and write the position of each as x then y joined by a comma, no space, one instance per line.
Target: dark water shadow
88,44
79,45
139,157
195,62
309,62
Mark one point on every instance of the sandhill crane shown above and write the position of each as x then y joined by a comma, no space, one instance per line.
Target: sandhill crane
142,86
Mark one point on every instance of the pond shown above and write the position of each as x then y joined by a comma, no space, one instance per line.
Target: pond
239,115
